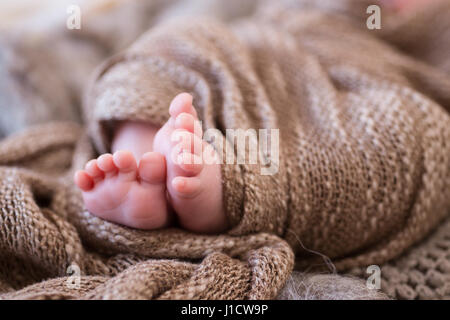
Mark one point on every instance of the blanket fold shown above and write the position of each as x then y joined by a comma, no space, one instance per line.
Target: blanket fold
46,234
363,153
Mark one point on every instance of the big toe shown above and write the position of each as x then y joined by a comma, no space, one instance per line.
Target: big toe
152,168
186,187
182,103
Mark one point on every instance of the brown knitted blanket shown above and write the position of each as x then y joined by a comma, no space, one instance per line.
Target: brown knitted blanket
363,171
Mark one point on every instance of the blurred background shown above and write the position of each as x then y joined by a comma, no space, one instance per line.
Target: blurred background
44,66
13,13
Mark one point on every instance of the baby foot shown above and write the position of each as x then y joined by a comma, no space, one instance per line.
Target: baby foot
194,186
115,189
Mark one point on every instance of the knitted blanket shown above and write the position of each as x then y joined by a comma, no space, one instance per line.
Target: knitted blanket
362,172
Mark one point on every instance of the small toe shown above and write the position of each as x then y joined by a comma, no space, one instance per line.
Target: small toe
188,122
182,103
187,187
185,141
84,181
190,163
94,171
106,163
152,168
126,163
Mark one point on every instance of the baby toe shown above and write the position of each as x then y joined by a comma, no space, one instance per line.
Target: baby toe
188,122
152,168
186,186
106,163
182,103
94,171
126,164
190,163
185,141
84,181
